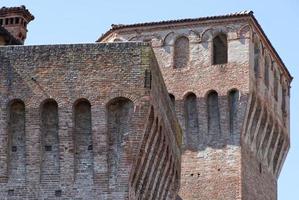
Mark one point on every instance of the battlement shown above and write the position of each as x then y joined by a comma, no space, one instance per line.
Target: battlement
74,117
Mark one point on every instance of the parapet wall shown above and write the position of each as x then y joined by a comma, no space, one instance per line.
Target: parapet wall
72,118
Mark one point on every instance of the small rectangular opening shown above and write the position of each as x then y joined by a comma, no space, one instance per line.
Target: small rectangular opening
89,147
58,193
11,20
6,21
1,21
48,148
17,20
10,192
14,148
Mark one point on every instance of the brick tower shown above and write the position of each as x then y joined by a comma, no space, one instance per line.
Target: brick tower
15,20
230,91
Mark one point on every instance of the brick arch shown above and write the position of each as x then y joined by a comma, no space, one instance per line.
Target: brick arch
208,34
122,94
186,93
169,39
245,32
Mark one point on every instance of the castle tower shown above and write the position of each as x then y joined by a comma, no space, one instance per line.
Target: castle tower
230,91
15,20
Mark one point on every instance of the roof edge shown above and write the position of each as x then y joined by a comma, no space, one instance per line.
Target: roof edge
249,14
115,27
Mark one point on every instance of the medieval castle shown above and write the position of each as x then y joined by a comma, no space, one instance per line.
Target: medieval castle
192,109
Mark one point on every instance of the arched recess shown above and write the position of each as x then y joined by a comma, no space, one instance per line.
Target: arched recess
172,98
233,99
119,122
256,53
83,142
16,143
214,129
266,70
181,52
192,135
50,166
220,49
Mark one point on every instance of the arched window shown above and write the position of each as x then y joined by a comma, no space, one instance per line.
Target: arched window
191,120
256,60
213,115
50,167
181,52
266,74
83,143
220,49
233,107
16,143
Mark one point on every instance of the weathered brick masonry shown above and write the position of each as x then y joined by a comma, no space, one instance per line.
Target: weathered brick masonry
231,95
88,121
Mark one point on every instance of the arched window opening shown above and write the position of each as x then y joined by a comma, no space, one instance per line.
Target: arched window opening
256,60
50,166
172,98
233,108
213,115
83,143
119,121
220,49
191,120
16,143
181,52
266,74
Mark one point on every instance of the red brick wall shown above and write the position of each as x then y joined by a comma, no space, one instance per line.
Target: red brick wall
102,107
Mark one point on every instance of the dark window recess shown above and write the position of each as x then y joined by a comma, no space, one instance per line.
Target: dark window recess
11,20
14,148
58,193
260,168
17,20
89,147
1,21
48,148
10,192
220,49
147,79
6,21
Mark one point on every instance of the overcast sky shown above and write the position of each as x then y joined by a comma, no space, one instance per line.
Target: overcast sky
78,21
